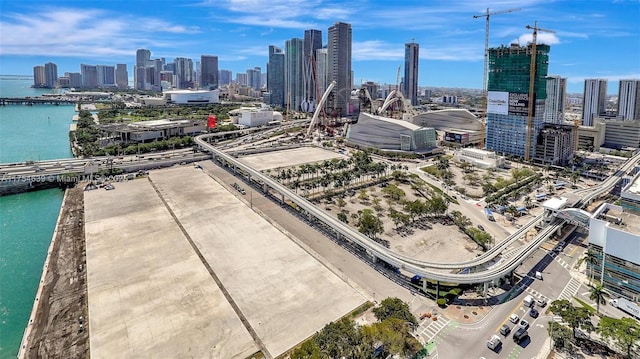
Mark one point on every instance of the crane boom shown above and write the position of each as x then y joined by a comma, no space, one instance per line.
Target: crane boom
532,82
486,56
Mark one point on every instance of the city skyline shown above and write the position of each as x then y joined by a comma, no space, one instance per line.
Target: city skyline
594,41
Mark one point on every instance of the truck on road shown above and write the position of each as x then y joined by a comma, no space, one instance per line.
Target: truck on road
494,342
528,301
626,306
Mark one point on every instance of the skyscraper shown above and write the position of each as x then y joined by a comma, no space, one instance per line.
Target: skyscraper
595,95
321,70
106,75
254,77
275,76
294,79
122,76
508,98
142,57
50,75
38,76
224,77
554,106
629,100
339,66
312,42
89,76
209,72
184,72
411,61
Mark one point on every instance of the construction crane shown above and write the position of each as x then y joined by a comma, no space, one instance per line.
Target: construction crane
486,56
532,82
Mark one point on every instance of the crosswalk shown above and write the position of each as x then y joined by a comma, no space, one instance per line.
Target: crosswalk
570,289
430,330
559,260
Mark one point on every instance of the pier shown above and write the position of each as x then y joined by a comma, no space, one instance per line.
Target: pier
30,101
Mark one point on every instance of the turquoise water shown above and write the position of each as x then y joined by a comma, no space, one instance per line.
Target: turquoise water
27,220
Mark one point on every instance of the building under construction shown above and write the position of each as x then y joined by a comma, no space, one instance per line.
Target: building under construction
508,98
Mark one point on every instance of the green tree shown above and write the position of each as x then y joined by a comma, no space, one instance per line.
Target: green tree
599,295
394,192
308,350
625,332
343,217
369,224
394,308
337,339
362,195
592,259
415,208
575,317
560,335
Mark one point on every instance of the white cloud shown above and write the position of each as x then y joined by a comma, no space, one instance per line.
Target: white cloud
71,32
380,50
541,38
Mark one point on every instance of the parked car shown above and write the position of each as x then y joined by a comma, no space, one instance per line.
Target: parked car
505,330
541,302
480,227
524,324
533,313
514,318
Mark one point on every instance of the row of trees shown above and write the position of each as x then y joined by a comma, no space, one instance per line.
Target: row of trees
464,223
624,332
390,335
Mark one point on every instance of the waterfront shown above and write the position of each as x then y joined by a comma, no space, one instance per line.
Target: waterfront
27,220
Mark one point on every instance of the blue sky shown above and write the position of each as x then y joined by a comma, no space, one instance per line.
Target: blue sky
592,39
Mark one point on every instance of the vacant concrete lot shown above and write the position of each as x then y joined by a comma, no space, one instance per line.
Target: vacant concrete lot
285,294
149,294
288,158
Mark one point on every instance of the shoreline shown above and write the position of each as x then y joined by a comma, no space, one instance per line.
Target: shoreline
58,321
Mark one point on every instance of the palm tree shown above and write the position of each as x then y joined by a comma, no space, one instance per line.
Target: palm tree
527,201
599,294
591,258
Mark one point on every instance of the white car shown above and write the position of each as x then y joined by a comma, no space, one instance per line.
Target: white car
514,318
524,324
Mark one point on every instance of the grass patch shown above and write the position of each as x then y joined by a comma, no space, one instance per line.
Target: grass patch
591,309
361,309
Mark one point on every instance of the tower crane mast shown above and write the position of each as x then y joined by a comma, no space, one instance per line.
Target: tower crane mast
532,88
487,15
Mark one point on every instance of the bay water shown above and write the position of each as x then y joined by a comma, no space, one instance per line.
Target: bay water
27,220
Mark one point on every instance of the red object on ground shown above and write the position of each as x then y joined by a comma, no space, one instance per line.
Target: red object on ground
211,122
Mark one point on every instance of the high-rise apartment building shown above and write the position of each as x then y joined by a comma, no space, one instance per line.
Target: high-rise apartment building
411,60
75,79
209,72
38,76
322,70
554,106
122,76
50,75
241,79
275,76
339,66
106,75
254,77
89,76
294,78
184,72
142,58
629,100
224,77
508,98
595,97
312,42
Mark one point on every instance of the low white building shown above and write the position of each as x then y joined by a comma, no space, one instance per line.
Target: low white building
254,116
479,158
192,97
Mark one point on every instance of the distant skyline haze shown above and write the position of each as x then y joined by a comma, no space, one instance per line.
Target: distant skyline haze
592,39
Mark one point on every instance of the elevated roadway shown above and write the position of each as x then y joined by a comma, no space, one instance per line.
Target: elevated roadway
445,272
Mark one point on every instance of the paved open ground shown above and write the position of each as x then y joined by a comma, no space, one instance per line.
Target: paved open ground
288,158
285,294
149,294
